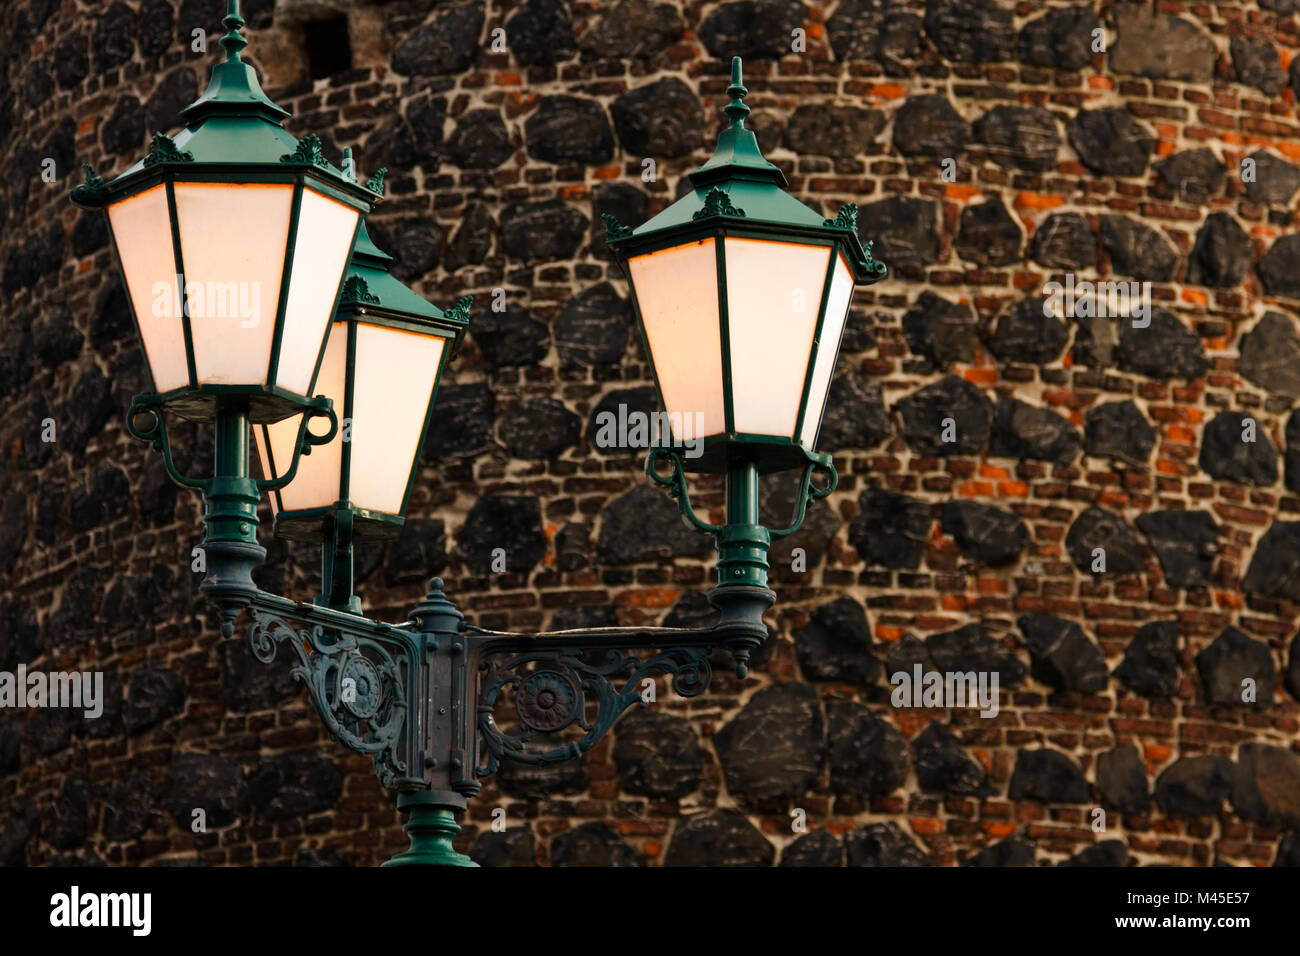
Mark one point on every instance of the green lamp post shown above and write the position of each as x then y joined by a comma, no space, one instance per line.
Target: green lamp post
234,199
741,293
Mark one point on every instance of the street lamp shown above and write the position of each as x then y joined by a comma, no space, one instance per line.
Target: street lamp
385,354
420,698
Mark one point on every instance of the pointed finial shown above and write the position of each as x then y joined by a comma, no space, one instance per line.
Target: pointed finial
349,168
233,23
736,109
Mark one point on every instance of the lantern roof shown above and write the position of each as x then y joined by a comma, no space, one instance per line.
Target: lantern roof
738,183
370,288
234,125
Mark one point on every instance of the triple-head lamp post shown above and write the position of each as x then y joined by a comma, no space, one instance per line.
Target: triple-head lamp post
263,307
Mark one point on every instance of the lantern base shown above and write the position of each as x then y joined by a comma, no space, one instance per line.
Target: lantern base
769,454
312,525
266,404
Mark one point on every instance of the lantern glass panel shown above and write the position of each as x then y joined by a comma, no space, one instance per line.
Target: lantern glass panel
316,485
321,250
837,310
143,234
774,291
233,240
676,291
393,376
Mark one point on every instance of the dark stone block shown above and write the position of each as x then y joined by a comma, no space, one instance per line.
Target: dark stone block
156,694
416,244
1165,349
49,730
970,31
1194,175
113,41
1111,142
822,129
855,415
71,60
203,782
1137,250
659,120
1105,853
509,338
883,844
657,755
633,28
968,648
1025,431
1119,430
988,236
1015,850
66,823
568,129
175,91
1026,333
1064,241
951,407
90,234
941,331
1222,255
103,500
1060,39
507,523
59,339
891,529
1097,528
419,553
1019,137
539,781
593,844
292,785
74,621
1185,542
1161,45
15,832
1275,565
573,546
624,202
942,766
718,838
247,684
1267,785
88,410
1063,656
594,327
462,427
928,126
1270,355
1228,456
319,856
1279,268
1256,63
835,644
542,230
1230,660
753,29
1291,680
903,229
510,847
819,848
868,756
773,748
470,246
129,808
1195,786
623,405
123,132
480,141
985,534
1048,776
1122,780
1273,180
542,428
540,33
447,44
623,537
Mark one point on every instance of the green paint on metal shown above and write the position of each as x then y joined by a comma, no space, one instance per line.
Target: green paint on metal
431,827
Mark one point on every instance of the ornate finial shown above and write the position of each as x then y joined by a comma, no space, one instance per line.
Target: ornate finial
162,149
356,290
233,23
613,228
846,218
94,188
308,151
349,167
460,313
436,615
717,203
736,110
376,182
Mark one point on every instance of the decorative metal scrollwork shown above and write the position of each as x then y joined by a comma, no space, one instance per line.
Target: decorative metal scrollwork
355,682
563,681
676,485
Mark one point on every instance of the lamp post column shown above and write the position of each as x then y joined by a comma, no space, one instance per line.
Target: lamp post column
742,594
230,548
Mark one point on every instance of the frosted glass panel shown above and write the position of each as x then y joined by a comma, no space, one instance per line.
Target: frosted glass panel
677,292
837,310
142,229
395,371
774,290
321,250
233,240
316,485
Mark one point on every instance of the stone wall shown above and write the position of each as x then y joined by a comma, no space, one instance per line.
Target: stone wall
991,148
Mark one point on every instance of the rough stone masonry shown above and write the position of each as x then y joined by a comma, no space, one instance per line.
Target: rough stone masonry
992,147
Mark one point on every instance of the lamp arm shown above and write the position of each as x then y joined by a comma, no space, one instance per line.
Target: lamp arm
321,407
156,436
